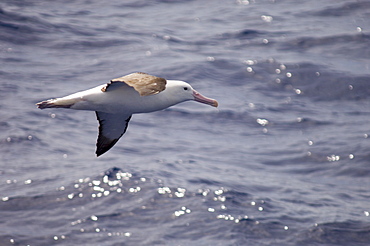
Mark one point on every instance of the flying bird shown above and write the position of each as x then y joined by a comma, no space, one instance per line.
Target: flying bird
115,102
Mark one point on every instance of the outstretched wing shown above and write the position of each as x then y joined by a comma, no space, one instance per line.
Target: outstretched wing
143,83
111,128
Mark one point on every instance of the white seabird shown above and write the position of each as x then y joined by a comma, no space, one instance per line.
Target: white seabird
115,102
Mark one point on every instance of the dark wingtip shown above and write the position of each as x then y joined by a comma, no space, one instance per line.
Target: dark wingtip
43,104
104,144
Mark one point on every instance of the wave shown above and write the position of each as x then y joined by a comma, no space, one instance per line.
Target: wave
344,9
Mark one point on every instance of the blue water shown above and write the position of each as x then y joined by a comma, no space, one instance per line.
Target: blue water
284,160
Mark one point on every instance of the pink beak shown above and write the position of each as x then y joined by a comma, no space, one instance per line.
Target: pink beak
202,99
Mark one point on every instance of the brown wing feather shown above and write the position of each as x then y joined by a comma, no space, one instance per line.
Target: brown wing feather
143,83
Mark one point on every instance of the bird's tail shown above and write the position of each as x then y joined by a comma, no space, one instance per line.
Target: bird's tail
56,103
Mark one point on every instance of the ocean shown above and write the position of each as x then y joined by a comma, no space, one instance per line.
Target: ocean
284,159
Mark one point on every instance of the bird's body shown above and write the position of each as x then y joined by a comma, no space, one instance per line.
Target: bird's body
115,102
118,100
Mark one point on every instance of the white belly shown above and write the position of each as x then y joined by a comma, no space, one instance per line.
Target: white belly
122,100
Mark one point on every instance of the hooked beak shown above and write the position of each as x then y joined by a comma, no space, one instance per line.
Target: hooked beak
202,99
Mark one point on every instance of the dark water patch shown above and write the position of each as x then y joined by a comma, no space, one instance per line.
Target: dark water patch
300,124
14,60
243,34
12,145
207,182
344,9
298,159
223,116
353,165
345,44
77,13
21,29
328,87
39,202
142,4
133,4
174,2
312,81
321,159
338,233
252,230
4,125
352,169
209,72
239,40
303,162
237,197
88,43
8,89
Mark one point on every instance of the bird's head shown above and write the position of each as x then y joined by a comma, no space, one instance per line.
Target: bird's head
182,91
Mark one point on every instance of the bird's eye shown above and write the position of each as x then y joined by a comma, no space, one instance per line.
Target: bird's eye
185,88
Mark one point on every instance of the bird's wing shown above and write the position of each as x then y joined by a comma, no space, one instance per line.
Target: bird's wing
143,83
111,128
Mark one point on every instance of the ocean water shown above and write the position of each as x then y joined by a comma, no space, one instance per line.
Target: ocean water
284,160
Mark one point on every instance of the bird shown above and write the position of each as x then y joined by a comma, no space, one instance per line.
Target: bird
115,102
